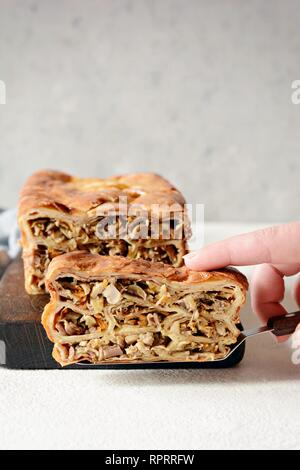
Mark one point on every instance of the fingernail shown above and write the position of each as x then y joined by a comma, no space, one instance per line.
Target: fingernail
190,255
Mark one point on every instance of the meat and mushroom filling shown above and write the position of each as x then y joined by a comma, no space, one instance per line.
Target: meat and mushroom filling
55,237
61,232
124,320
42,256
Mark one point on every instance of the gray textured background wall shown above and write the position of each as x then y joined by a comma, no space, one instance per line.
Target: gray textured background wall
199,91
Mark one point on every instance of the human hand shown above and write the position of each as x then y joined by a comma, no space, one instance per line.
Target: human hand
276,251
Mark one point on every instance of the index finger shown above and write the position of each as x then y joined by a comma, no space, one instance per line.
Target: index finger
275,245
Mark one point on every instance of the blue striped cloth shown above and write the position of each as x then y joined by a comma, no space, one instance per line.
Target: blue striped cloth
9,232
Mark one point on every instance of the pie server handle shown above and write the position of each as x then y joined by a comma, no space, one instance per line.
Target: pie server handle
285,324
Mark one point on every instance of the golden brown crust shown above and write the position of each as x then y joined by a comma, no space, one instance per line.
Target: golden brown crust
87,265
76,196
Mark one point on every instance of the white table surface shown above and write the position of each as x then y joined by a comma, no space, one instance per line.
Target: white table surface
255,405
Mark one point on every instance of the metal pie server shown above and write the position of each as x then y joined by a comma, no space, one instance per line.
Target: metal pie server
279,326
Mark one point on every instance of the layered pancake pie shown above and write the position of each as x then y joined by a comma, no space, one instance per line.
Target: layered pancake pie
110,309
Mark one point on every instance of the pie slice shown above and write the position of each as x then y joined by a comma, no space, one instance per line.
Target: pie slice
115,310
136,215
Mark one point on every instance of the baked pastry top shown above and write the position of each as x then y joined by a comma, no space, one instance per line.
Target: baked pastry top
112,309
87,266
61,192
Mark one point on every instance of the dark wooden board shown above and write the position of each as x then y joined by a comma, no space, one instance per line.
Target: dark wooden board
26,343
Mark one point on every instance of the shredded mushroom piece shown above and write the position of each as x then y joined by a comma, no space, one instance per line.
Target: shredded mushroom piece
112,295
137,290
